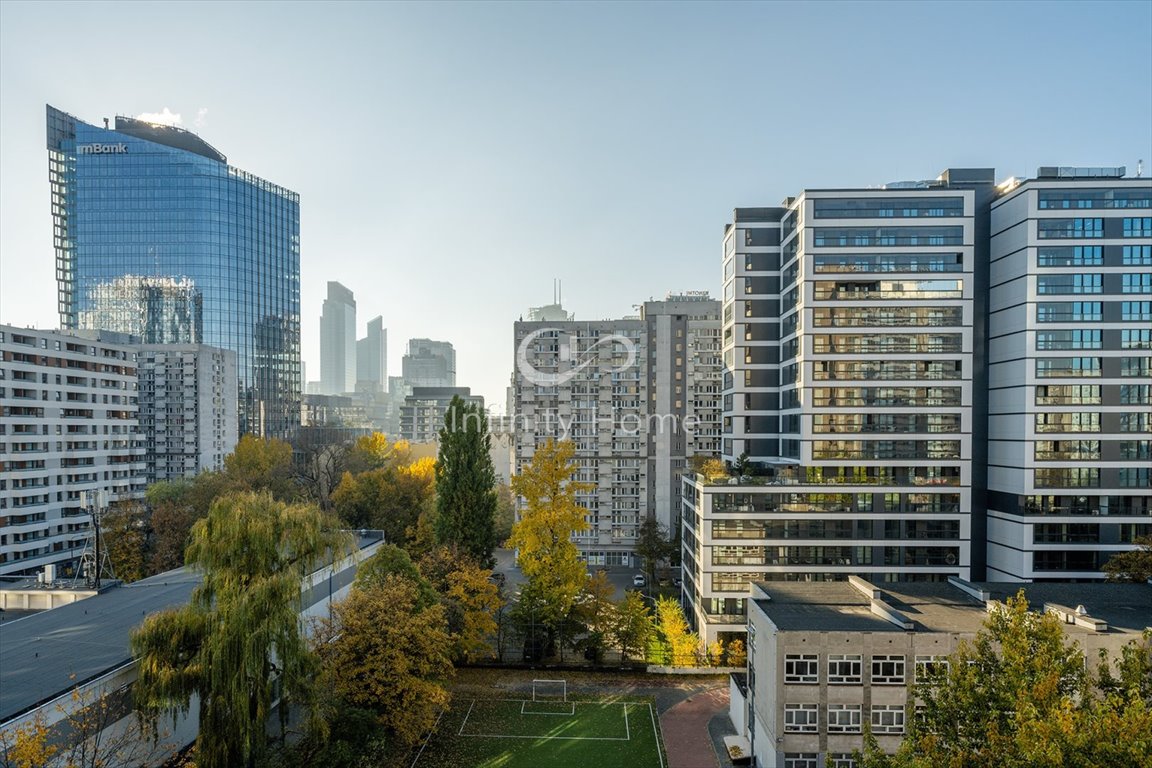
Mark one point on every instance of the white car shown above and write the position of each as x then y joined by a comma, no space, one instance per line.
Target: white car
639,581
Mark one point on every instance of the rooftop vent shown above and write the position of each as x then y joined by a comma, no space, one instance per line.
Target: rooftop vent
1075,172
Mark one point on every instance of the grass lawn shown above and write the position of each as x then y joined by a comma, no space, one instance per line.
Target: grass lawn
515,733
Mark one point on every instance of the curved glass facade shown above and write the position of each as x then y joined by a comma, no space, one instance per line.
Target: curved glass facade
149,205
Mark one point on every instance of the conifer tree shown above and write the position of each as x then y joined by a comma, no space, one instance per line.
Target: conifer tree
466,483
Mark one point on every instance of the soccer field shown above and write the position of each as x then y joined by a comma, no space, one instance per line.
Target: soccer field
520,733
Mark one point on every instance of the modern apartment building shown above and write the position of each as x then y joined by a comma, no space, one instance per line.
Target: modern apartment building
1070,373
637,396
338,341
422,416
68,424
188,408
429,363
372,358
137,203
849,342
825,660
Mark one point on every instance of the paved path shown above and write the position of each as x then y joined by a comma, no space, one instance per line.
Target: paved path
685,729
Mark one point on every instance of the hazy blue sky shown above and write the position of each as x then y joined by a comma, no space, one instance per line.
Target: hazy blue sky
453,159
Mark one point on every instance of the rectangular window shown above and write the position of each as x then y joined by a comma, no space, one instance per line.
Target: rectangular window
802,668
1136,338
1135,394
1137,255
844,669
843,760
1065,199
844,718
1136,449
931,668
1071,339
1060,367
1067,477
801,718
1067,450
1135,477
1140,367
887,670
844,237
1137,226
887,718
1139,421
1070,256
1069,311
1139,311
801,760
1074,283
1061,229
886,207
1136,282
1068,422
1068,394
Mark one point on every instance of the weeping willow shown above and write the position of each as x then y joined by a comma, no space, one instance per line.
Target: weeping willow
236,646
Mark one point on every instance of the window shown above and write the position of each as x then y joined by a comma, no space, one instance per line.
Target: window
842,760
887,670
1137,255
1136,338
1071,339
1137,226
1068,422
1068,394
1054,199
1069,311
1135,394
1136,366
801,668
931,667
844,669
844,718
801,718
887,718
1140,421
1057,367
1058,229
1136,310
1135,477
801,760
1136,282
1070,256
1067,477
1076,283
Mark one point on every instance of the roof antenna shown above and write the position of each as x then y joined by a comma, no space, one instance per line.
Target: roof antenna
1139,168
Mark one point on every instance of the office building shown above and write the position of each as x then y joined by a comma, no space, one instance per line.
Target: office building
1070,373
429,363
422,416
139,204
68,424
338,341
825,660
372,358
637,396
188,408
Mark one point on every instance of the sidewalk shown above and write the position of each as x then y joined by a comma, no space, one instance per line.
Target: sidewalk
685,728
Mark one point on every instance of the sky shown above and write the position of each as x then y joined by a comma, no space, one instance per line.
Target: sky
454,159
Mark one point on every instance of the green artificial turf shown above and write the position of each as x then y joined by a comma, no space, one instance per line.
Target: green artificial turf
485,733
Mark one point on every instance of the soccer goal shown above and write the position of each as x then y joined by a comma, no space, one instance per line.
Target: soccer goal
549,690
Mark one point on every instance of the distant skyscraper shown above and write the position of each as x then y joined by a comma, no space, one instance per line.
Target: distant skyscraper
338,341
153,214
372,358
429,364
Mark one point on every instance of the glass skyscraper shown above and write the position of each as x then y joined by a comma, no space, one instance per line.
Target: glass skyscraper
153,215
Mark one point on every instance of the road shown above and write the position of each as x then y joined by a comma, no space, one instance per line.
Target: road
620,578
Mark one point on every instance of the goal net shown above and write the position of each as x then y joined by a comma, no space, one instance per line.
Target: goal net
549,690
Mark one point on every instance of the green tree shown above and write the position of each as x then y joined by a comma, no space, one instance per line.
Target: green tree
632,629
389,499
262,464
653,546
505,513
384,651
241,627
466,483
1020,696
390,560
543,535
124,531
1133,565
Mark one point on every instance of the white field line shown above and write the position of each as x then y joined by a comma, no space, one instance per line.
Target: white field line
461,731
627,731
571,704
427,739
656,733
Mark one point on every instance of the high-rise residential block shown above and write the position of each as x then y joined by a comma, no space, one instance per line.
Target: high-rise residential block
429,363
152,215
338,341
637,396
372,358
424,410
1070,373
68,424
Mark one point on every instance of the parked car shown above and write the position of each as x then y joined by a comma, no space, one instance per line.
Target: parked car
639,581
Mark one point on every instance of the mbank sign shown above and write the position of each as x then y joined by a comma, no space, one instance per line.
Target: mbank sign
101,149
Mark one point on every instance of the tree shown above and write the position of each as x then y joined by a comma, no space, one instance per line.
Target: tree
632,628
505,513
736,654
124,531
175,507
596,612
653,546
742,465
477,600
241,627
713,469
375,451
1020,696
387,499
319,465
466,482
262,464
384,651
390,560
543,535
1134,565
682,646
